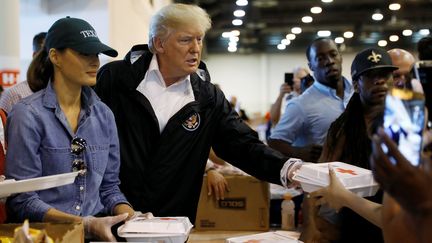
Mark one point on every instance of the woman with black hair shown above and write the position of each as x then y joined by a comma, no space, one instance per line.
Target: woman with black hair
64,127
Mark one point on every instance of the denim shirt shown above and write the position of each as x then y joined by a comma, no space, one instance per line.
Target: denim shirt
39,139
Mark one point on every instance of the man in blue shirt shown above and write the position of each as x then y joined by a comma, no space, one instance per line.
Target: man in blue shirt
303,127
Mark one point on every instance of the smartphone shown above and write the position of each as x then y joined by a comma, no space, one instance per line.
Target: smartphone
289,79
423,73
404,121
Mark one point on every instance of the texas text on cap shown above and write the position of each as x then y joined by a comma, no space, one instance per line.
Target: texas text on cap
78,35
368,59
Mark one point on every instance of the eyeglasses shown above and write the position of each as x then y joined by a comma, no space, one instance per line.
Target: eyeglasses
78,145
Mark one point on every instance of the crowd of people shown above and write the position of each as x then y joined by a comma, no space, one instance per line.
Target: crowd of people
151,120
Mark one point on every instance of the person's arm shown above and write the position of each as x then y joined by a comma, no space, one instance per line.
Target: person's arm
275,109
235,142
337,196
124,208
215,159
111,196
309,153
287,131
23,162
54,215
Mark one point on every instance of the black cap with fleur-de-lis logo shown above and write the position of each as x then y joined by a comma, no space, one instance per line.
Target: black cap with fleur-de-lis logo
368,59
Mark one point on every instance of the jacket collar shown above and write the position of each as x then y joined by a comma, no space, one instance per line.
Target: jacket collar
140,66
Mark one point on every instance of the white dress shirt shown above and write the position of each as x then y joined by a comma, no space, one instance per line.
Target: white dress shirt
165,101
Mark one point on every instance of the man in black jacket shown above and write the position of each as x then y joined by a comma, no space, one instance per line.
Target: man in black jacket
168,116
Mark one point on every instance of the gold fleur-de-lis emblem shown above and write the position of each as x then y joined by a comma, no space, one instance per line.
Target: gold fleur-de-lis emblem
374,57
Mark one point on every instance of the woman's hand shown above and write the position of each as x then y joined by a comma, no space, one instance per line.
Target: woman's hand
100,228
333,195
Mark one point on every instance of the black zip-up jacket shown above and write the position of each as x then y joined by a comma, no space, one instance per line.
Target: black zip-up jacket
162,173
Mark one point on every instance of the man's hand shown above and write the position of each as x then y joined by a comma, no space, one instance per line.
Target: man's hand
100,228
285,89
216,184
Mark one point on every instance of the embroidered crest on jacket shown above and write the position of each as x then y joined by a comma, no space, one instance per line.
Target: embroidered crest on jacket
193,122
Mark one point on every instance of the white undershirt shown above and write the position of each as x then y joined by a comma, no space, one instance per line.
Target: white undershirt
165,101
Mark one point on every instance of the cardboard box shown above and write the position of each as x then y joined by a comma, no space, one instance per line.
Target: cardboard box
59,232
245,207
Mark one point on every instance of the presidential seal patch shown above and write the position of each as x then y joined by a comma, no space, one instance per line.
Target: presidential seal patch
192,123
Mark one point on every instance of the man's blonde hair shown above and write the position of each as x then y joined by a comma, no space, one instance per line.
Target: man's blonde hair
173,16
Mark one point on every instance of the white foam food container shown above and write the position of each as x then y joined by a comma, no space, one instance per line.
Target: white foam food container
349,175
157,229
268,237
358,180
12,186
362,191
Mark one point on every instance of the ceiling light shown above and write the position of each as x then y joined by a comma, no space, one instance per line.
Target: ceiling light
296,30
234,39
239,13
407,32
424,32
348,34
235,32
281,47
394,38
316,10
394,6
307,19
237,22
290,36
326,1
226,34
232,44
382,43
232,48
324,33
285,42
242,2
377,16
339,40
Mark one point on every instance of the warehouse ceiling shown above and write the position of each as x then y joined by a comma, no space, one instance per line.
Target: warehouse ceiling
266,23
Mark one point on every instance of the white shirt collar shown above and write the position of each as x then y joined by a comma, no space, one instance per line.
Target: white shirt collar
154,68
165,101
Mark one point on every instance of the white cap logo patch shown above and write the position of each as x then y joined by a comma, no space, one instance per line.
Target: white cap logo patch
192,123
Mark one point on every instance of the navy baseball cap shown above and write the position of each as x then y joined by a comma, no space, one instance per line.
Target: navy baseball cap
368,59
77,35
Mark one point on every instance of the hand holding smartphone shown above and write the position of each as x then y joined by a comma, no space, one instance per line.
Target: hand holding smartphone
289,79
404,122
423,73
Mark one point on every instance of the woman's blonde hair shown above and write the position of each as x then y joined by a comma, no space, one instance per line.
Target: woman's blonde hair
173,16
